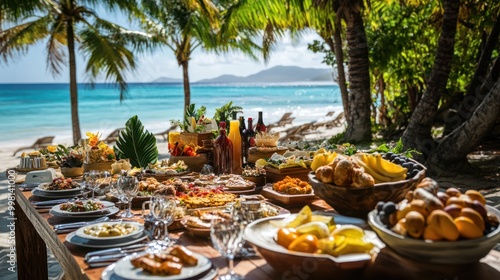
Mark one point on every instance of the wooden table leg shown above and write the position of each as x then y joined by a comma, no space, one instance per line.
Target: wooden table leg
31,250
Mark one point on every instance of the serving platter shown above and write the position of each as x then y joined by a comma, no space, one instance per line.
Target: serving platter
288,199
108,212
72,238
125,269
41,194
109,274
62,213
139,229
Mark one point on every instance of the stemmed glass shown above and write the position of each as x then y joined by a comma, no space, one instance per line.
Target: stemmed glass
127,187
162,208
92,181
227,238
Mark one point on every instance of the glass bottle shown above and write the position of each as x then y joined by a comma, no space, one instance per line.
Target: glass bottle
244,141
235,137
223,152
250,134
260,126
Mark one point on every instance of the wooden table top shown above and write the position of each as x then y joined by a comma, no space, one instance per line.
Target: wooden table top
386,265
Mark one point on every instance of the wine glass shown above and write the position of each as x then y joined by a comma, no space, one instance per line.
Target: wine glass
127,187
92,181
227,238
162,208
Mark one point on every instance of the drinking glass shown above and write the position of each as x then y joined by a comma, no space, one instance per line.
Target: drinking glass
127,186
92,181
162,208
227,238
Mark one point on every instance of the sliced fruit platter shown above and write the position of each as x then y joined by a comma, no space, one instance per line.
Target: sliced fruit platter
285,241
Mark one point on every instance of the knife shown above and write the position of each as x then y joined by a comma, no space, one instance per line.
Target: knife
80,224
115,251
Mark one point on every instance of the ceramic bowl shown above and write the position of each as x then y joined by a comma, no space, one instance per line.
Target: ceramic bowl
440,252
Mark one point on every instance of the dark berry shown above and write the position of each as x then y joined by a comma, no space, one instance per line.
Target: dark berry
393,156
389,208
380,204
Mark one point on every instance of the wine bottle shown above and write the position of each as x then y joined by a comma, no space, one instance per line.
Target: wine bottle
223,152
250,134
260,126
235,137
244,141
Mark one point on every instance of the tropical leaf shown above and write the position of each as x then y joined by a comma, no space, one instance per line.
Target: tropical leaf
136,144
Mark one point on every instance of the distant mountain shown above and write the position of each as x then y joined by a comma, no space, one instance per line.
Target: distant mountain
277,74
166,80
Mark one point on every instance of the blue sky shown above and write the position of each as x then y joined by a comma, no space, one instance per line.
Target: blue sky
32,67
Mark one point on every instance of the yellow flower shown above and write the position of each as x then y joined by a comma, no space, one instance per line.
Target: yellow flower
102,146
52,148
93,138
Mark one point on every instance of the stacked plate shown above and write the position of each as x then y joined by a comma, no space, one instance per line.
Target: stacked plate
124,270
41,191
82,238
108,210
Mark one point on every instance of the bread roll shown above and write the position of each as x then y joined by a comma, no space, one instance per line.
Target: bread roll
325,174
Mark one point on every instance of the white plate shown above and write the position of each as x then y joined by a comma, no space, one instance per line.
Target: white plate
109,274
107,204
109,211
140,228
103,244
126,270
42,194
40,188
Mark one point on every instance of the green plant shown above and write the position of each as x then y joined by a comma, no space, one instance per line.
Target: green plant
136,144
225,112
396,148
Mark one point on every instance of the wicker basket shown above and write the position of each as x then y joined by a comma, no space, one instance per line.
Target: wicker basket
99,166
195,163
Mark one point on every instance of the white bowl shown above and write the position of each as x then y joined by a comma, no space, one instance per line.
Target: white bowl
442,252
139,229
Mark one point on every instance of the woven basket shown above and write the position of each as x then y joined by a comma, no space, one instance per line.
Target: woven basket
99,166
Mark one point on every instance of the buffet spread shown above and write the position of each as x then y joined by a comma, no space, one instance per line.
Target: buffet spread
405,210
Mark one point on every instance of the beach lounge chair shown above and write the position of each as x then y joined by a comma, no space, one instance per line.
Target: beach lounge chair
164,134
39,144
113,136
285,119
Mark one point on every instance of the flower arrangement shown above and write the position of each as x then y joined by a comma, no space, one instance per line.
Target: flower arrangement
49,153
97,150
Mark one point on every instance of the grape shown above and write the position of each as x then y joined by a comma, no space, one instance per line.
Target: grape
389,208
393,156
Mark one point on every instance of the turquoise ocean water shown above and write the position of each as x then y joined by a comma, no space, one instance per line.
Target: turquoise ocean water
30,111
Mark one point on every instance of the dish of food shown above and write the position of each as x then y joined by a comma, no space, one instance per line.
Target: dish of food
110,230
56,194
59,184
109,273
199,197
107,211
268,192
72,238
125,268
83,207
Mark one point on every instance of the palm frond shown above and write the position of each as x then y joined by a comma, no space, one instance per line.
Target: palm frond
136,144
106,56
55,44
17,39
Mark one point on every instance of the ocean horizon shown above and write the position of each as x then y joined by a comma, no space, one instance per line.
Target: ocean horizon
32,110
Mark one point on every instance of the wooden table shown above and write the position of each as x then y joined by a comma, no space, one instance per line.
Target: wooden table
34,234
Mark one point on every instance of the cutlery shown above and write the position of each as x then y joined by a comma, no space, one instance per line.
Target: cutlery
52,202
80,224
114,251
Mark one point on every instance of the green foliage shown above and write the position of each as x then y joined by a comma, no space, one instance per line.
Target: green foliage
69,156
136,144
225,112
395,148
192,112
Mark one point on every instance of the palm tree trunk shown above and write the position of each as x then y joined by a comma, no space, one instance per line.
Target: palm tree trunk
358,123
187,88
455,146
465,108
418,133
75,121
339,58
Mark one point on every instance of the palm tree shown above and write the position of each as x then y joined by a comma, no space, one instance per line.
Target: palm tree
66,25
183,26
